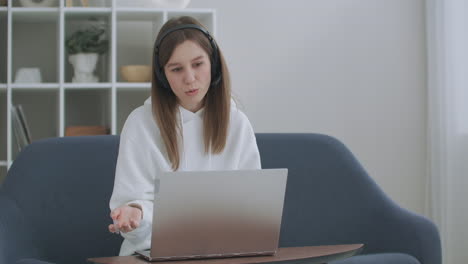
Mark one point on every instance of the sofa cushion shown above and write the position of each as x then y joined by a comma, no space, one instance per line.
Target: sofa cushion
382,258
32,261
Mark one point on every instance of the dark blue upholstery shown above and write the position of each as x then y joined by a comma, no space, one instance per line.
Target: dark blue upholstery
56,196
382,258
54,202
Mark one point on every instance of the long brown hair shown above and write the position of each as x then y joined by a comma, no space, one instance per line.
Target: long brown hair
217,101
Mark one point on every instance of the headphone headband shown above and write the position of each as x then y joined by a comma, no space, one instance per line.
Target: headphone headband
179,27
215,61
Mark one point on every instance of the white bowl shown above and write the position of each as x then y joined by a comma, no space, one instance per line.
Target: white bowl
136,73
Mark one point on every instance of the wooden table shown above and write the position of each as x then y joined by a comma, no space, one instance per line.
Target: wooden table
295,255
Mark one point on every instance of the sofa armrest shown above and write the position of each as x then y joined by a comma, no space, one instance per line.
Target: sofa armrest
15,236
403,231
425,241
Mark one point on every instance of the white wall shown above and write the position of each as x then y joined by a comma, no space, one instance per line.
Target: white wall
353,69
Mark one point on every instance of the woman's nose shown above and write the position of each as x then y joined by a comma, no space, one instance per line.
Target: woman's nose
189,76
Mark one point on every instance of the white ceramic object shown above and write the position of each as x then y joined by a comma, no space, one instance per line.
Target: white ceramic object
38,3
154,3
28,75
84,65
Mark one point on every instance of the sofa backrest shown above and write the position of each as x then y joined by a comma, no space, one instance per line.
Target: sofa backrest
62,187
330,199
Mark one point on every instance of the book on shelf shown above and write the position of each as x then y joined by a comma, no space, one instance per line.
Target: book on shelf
20,126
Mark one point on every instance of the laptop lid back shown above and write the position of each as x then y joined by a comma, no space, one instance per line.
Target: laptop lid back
217,213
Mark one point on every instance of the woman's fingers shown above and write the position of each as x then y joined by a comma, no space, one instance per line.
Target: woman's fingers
127,228
115,213
126,219
134,223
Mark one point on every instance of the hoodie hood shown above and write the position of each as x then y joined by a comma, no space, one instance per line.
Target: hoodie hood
148,102
187,115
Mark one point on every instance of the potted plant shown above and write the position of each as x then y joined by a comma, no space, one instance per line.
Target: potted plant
84,46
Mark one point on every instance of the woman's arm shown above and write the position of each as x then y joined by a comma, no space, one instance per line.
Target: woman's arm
249,154
134,181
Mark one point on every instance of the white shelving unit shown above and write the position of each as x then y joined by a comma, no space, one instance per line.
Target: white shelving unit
35,37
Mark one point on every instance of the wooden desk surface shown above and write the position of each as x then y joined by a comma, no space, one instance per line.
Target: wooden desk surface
310,255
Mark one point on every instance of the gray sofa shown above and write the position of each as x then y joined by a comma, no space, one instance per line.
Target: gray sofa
54,203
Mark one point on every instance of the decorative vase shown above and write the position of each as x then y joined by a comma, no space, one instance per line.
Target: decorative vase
84,65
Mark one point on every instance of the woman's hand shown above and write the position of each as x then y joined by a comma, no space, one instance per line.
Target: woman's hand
126,218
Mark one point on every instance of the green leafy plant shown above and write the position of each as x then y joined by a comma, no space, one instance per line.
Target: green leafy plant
89,40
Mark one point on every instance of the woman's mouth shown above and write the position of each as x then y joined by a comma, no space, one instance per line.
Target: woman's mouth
192,92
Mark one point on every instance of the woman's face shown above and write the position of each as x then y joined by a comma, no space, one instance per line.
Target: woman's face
188,72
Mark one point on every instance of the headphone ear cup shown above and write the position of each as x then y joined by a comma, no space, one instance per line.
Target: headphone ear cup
216,72
163,80
216,77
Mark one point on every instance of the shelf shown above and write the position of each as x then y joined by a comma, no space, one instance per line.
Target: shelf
3,124
132,86
35,15
86,12
17,4
42,118
3,173
34,86
206,17
86,86
35,38
191,12
93,4
88,108
138,14
3,46
129,51
127,101
79,20
30,29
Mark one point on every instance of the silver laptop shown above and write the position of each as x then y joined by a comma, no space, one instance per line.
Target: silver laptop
217,214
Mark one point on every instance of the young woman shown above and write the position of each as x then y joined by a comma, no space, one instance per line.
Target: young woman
189,123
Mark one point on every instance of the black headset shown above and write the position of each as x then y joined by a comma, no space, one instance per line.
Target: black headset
216,73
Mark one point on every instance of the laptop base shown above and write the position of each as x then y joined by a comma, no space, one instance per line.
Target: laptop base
146,255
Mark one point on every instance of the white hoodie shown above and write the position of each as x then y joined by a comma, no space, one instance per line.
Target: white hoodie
142,153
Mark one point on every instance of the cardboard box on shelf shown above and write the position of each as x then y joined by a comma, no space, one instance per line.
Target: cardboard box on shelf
86,130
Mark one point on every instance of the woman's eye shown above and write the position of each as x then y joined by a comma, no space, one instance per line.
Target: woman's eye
198,64
176,69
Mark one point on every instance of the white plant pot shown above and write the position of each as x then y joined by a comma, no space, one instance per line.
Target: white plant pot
84,65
